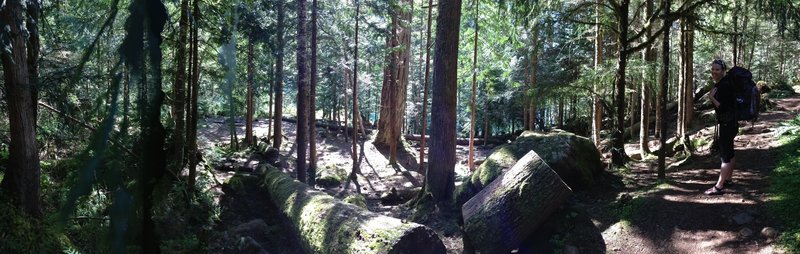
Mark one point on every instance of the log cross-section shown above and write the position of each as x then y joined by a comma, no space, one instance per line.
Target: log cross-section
512,206
326,225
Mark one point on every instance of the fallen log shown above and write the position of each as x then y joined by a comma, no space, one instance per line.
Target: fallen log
513,206
459,141
326,225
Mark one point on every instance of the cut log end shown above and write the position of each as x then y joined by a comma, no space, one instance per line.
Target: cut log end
415,238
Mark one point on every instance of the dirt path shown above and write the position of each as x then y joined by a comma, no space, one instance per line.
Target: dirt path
635,215
676,217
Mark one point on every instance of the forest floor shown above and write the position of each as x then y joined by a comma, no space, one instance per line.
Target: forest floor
635,214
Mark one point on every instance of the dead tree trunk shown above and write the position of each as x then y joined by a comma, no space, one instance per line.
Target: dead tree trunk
326,225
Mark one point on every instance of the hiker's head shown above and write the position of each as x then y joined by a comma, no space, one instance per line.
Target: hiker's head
718,68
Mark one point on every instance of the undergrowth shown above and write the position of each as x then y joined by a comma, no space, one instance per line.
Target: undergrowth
785,187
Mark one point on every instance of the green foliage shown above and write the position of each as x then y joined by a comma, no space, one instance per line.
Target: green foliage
785,186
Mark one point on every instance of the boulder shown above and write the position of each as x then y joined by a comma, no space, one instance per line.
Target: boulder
575,159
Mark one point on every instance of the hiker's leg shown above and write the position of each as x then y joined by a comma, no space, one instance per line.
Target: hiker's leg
725,173
731,165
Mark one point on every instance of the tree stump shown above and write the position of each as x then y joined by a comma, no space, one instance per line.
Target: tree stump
326,225
510,208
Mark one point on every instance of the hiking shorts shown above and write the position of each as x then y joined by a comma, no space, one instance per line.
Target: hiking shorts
727,131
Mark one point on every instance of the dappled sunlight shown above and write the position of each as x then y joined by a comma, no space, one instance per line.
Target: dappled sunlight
631,236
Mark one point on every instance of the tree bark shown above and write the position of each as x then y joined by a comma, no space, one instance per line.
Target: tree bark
248,126
326,225
178,89
302,93
393,93
312,101
597,105
195,84
277,133
425,89
649,59
470,161
622,63
689,77
356,116
534,68
20,67
510,208
440,176
662,102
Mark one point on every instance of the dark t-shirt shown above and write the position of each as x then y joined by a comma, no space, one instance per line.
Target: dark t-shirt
727,101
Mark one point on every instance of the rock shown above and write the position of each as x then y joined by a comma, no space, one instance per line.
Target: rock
248,235
742,218
391,198
745,232
250,245
769,232
569,249
250,228
575,159
328,181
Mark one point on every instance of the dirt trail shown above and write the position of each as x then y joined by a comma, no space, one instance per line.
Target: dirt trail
635,215
677,217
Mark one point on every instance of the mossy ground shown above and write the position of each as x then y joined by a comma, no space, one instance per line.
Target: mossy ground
785,186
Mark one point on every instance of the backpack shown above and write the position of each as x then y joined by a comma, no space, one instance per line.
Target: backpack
746,92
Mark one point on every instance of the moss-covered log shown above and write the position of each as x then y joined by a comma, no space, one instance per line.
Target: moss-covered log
512,206
574,158
326,225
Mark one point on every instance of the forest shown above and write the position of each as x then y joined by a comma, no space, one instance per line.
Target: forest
396,126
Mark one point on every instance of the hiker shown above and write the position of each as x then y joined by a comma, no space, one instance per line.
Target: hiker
723,98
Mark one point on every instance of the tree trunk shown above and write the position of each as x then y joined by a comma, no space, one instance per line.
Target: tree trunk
356,116
510,208
271,103
534,68
312,101
424,115
662,102
689,77
179,91
248,126
649,59
470,161
326,225
393,93
277,133
622,62
20,69
195,87
302,92
597,105
440,176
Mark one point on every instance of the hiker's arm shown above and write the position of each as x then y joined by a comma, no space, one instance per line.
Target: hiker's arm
711,95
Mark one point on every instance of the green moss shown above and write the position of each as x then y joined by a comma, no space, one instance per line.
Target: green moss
23,234
357,200
784,189
574,158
